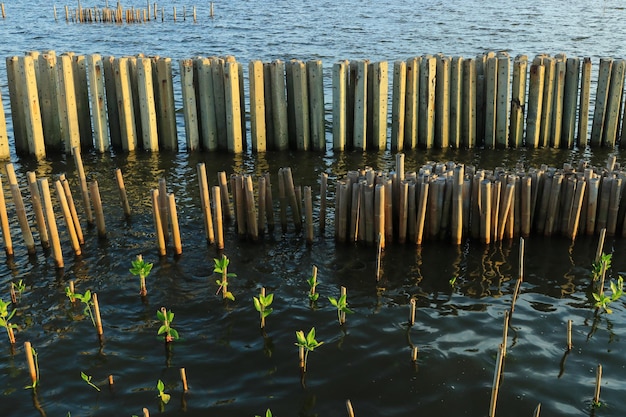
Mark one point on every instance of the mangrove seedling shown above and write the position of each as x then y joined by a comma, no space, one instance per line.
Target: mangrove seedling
87,379
342,307
221,267
452,281
85,299
312,281
165,398
268,413
166,329
306,344
141,268
599,268
262,305
17,290
5,318
603,300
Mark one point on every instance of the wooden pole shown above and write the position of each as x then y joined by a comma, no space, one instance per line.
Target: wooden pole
315,82
94,191
206,91
157,223
28,350
572,81
166,117
4,222
596,394
69,222
31,109
96,310
51,222
38,210
125,104
205,201
602,97
359,138
219,232
251,220
147,105
20,210
97,88
122,190
340,86
569,335
189,105
164,208
411,104
496,382
518,101
176,241
491,94
257,106
72,207
426,121
183,378
279,105
308,210
442,103
82,179
223,184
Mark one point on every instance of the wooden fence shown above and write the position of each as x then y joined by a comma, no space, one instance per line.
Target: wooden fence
491,101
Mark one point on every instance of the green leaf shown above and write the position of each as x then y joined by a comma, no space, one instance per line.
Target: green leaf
160,315
333,301
165,397
269,299
162,329
230,295
174,334
85,377
170,316
596,296
160,386
300,337
267,312
310,337
257,304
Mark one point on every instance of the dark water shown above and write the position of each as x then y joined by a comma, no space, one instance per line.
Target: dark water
232,367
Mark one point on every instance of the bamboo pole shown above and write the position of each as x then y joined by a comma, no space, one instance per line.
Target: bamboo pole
251,220
219,230
4,222
469,104
457,205
35,198
257,106
422,205
67,215
308,209
164,208
96,310
614,103
176,240
122,190
183,378
82,179
496,382
518,101
596,394
569,335
572,81
412,307
225,198
557,101
349,408
72,207
261,216
427,88
491,96
547,100
51,222
192,134
94,191
205,201
157,222
28,350
442,103
411,105
166,110
602,97
20,210
359,138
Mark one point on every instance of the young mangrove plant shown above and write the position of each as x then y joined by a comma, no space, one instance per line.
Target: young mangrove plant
221,267
262,305
87,379
5,318
85,299
165,398
342,306
599,268
166,329
312,281
141,268
603,300
306,344
17,290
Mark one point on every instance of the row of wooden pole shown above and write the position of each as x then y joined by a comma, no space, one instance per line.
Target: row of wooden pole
119,14
452,201
491,101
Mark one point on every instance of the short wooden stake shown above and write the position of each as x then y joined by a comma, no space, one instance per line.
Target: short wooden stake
219,229
569,335
505,332
96,310
414,353
94,191
178,246
262,190
122,189
44,188
596,395
537,410
146,413
342,315
251,219
183,378
223,183
379,254
28,349
412,312
163,208
110,380
323,196
157,223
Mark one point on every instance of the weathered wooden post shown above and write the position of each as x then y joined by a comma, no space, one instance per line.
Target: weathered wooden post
426,118
411,105
518,101
166,116
257,106
316,105
98,104
442,103
340,91
147,108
